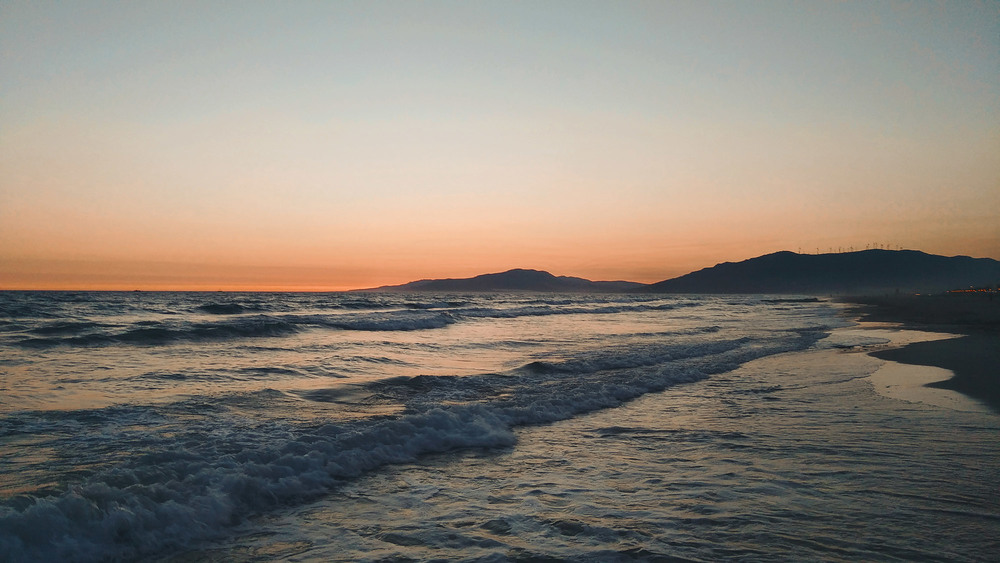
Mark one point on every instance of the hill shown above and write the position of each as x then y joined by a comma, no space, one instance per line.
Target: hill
515,280
867,271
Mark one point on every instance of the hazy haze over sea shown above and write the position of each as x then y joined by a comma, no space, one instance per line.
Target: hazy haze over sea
261,426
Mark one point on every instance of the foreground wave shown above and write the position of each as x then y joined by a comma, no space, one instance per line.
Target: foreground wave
241,323
171,497
149,476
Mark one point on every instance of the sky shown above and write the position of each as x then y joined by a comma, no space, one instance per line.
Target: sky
335,145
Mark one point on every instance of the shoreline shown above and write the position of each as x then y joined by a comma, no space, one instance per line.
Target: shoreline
973,357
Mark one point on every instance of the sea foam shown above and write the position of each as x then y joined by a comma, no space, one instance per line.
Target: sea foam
174,496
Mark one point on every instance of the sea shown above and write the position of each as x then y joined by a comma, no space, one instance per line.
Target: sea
184,427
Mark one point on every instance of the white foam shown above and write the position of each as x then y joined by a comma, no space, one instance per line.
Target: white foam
225,468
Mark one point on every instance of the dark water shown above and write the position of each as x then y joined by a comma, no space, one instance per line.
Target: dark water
349,427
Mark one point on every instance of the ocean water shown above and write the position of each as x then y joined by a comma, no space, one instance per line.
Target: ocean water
373,427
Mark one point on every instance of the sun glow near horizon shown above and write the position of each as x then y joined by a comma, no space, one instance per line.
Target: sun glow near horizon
330,147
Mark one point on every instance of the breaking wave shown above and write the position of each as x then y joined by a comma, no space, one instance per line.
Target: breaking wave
221,471
237,322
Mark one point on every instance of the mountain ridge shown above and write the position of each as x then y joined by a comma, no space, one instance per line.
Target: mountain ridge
517,279
859,272
782,272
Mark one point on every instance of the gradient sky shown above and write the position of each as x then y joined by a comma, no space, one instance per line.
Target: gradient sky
332,145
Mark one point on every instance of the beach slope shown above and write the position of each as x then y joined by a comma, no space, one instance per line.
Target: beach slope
974,358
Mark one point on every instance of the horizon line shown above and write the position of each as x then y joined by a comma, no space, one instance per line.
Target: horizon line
116,287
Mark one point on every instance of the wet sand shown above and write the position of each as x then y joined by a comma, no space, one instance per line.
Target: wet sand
974,357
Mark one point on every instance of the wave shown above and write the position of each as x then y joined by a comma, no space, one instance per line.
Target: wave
65,327
194,488
406,320
244,327
237,319
434,304
108,319
265,373
236,308
154,333
169,498
545,310
29,311
223,308
440,314
360,304
632,357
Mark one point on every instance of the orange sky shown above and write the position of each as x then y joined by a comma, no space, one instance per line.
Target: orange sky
332,147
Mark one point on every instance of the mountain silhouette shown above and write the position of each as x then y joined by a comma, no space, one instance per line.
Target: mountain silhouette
848,273
861,272
515,280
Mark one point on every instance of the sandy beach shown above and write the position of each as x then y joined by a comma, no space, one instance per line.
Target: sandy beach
973,356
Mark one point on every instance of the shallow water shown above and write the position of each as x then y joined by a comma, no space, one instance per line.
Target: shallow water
790,457
518,427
